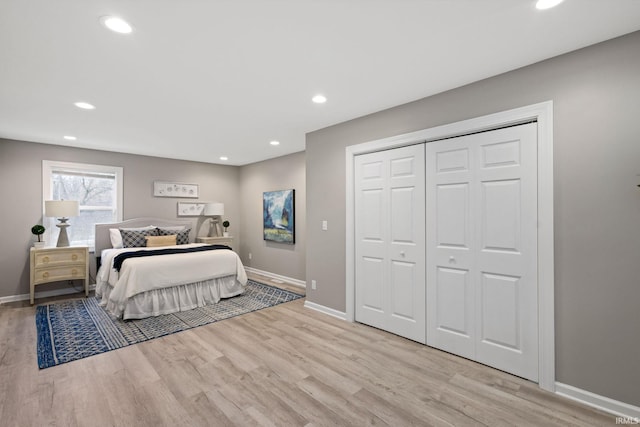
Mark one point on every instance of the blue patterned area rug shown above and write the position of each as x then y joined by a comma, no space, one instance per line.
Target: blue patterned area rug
72,330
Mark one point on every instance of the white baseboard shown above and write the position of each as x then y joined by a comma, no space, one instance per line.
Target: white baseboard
326,310
43,294
296,282
606,404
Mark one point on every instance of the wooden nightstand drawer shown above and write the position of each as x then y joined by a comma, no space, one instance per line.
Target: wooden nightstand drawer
59,256
63,272
56,264
216,240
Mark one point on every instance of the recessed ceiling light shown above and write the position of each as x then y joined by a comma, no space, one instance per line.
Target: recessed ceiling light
70,137
84,105
275,143
224,158
116,24
547,4
319,99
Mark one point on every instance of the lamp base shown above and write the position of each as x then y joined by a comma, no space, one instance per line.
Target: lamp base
63,238
214,227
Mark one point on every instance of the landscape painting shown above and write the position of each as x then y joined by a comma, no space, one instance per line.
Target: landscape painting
278,217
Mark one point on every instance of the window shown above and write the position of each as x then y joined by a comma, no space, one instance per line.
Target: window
98,190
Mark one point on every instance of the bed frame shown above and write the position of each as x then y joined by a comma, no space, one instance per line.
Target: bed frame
103,241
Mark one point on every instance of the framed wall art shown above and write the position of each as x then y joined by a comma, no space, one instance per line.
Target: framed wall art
190,208
175,189
278,216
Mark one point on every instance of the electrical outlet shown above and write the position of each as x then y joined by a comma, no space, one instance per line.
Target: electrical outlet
325,225
250,255
313,285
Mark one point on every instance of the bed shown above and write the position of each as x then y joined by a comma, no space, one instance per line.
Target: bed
145,286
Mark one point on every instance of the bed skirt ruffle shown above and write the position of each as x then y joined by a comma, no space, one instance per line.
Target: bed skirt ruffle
169,300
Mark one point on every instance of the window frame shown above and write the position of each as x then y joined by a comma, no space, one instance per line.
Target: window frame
49,166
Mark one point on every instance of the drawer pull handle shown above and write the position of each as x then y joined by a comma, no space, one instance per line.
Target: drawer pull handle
45,274
74,257
74,272
45,259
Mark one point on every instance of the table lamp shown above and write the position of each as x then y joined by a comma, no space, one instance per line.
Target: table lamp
62,209
214,210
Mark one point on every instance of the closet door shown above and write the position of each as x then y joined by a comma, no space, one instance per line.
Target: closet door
390,241
482,283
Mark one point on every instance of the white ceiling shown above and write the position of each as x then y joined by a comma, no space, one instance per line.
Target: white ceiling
200,79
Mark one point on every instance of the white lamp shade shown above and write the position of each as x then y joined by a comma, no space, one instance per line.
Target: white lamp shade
214,209
61,208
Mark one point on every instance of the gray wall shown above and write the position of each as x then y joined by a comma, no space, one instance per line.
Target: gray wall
276,174
239,188
596,94
21,195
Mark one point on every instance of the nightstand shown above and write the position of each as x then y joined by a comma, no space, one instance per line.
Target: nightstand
57,264
216,240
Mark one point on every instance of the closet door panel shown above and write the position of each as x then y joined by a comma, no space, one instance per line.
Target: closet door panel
390,254
482,249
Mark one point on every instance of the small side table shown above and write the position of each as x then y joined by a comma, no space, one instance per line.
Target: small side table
216,240
57,264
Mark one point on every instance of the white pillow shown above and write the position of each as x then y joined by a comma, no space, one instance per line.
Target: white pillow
116,237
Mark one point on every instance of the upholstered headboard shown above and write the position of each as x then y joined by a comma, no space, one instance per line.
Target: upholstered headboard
103,241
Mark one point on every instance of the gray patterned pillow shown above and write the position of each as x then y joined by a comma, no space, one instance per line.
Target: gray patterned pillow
182,237
136,239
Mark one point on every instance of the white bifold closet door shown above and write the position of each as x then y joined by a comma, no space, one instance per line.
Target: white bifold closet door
481,205
390,241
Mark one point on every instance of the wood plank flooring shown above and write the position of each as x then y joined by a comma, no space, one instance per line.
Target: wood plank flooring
283,366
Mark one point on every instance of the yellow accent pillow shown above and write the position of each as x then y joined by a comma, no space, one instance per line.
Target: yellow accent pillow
161,240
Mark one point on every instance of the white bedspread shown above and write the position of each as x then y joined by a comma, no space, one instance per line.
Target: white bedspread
139,275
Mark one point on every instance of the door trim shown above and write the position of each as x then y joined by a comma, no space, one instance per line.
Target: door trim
543,114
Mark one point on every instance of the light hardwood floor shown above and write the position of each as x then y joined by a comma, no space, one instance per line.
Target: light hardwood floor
282,366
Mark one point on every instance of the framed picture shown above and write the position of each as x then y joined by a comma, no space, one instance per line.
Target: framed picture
175,189
278,216
190,208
